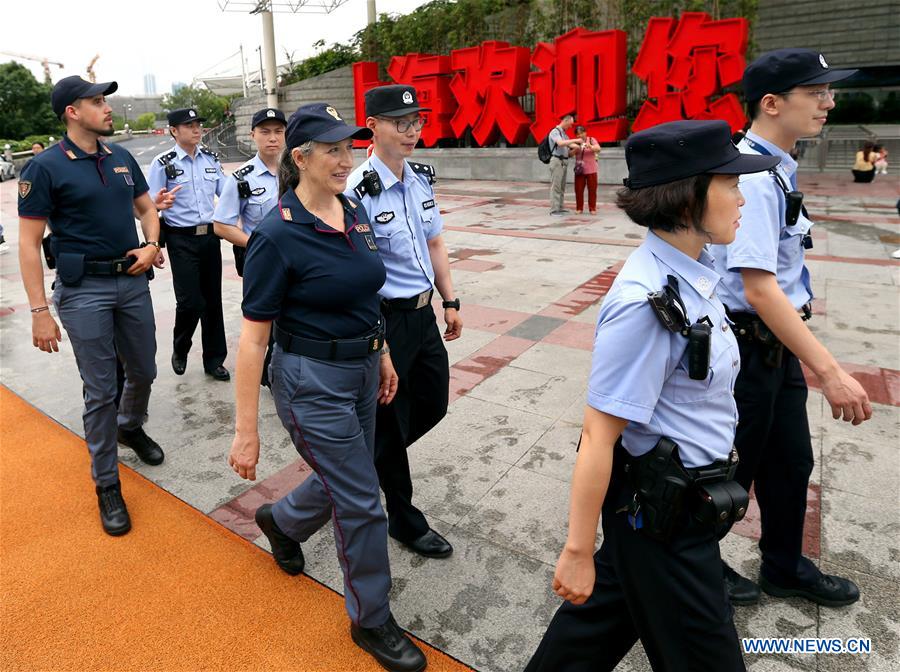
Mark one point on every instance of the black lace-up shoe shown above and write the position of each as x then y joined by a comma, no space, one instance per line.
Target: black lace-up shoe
828,590
741,590
286,551
219,373
430,545
113,513
390,646
148,450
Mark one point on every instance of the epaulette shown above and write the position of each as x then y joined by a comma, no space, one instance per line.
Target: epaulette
241,173
165,159
424,169
207,150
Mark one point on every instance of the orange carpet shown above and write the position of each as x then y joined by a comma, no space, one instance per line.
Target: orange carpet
179,592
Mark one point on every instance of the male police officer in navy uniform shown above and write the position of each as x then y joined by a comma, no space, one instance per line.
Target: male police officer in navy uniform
766,288
87,192
399,199
193,175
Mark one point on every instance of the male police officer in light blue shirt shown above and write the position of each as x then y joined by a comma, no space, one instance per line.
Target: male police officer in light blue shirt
399,199
193,175
766,288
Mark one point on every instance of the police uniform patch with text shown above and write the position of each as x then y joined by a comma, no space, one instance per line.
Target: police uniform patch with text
384,217
427,205
212,170
24,189
370,241
363,228
120,169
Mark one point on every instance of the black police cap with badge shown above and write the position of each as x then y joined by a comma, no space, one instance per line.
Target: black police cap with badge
184,115
267,114
69,89
393,100
781,70
668,153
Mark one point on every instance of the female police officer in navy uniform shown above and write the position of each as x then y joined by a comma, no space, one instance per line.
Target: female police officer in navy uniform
312,274
656,449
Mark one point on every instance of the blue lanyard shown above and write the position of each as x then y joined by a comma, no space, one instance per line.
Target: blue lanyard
763,150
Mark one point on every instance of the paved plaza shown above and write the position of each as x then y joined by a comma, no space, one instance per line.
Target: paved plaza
494,476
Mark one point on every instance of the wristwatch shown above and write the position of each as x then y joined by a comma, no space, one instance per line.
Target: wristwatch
151,242
451,304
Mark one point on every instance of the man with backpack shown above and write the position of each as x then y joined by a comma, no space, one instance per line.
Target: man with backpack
559,144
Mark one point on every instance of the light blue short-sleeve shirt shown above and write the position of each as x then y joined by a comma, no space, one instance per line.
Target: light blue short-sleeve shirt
404,217
640,369
263,196
763,240
200,179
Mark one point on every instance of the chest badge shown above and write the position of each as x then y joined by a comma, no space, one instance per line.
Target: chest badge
259,191
363,228
370,242
704,283
427,205
384,217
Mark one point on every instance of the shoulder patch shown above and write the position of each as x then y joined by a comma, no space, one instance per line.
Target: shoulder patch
424,169
167,158
24,188
241,173
207,150
384,217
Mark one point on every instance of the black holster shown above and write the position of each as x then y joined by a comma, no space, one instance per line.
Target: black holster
239,254
661,483
749,327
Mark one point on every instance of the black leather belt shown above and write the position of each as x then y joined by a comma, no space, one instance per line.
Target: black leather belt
199,230
337,349
413,303
109,266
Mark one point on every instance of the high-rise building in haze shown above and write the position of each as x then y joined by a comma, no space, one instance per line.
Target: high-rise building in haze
177,86
149,85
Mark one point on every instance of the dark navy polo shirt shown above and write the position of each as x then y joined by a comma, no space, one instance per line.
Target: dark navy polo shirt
315,281
88,199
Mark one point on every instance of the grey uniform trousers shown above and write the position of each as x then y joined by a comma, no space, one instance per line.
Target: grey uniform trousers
558,172
328,407
108,319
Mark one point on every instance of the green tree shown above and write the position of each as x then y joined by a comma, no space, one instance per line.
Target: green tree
210,106
336,56
24,104
145,122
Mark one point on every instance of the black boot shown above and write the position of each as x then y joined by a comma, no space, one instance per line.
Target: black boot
113,513
147,449
741,591
390,646
286,551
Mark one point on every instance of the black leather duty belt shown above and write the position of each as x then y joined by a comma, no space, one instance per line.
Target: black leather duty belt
338,349
413,303
109,266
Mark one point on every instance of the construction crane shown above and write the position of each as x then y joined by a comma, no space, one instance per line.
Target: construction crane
92,76
46,62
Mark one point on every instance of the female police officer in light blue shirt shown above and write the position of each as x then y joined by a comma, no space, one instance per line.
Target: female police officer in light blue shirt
656,449
313,269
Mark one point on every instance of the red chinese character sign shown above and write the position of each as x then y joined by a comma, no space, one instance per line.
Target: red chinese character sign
582,71
488,80
685,63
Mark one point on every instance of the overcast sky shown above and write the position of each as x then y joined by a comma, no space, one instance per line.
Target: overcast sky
176,40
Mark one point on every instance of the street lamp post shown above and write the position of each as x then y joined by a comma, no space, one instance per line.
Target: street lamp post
126,109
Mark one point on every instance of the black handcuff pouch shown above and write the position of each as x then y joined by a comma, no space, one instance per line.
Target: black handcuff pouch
70,268
47,246
719,503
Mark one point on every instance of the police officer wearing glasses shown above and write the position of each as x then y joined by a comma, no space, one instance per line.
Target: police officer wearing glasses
87,193
398,195
191,177
312,275
766,288
656,450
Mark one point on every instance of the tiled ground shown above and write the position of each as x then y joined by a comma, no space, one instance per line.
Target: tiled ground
493,477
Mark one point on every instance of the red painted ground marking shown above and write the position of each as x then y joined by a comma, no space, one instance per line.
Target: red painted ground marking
749,527
465,206
579,335
880,384
853,260
237,515
6,311
583,296
475,265
512,233
486,362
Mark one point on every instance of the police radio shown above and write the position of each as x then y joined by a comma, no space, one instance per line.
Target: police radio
670,310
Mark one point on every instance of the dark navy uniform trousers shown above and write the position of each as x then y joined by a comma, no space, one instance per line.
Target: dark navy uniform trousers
670,596
328,407
775,448
108,320
420,359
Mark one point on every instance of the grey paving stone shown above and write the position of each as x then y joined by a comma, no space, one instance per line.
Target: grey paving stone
535,327
861,533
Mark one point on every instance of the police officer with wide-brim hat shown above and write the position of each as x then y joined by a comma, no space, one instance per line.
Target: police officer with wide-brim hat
656,448
312,275
87,192
766,287
190,177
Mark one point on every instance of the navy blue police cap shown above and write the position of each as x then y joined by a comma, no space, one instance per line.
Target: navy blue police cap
69,89
393,100
267,114
183,116
322,123
681,149
781,70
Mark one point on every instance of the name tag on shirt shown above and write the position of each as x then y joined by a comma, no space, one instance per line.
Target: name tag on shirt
427,205
120,169
363,228
370,241
212,170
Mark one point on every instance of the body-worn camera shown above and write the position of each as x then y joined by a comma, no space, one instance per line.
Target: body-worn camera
672,314
244,190
171,171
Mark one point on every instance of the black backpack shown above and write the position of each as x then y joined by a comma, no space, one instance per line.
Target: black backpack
544,153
